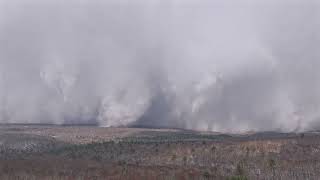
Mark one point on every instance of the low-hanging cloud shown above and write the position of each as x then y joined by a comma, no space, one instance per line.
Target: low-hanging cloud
203,65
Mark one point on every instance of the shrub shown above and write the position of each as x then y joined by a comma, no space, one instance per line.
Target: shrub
241,177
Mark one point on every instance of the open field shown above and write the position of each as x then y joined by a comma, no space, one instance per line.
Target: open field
87,152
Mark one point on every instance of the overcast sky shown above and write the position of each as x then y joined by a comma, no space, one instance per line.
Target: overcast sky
218,65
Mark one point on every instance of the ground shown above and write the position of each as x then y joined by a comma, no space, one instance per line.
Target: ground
88,152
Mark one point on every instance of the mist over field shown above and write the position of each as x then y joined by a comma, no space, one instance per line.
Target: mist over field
203,65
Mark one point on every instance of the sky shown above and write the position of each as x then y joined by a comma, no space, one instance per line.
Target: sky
221,65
